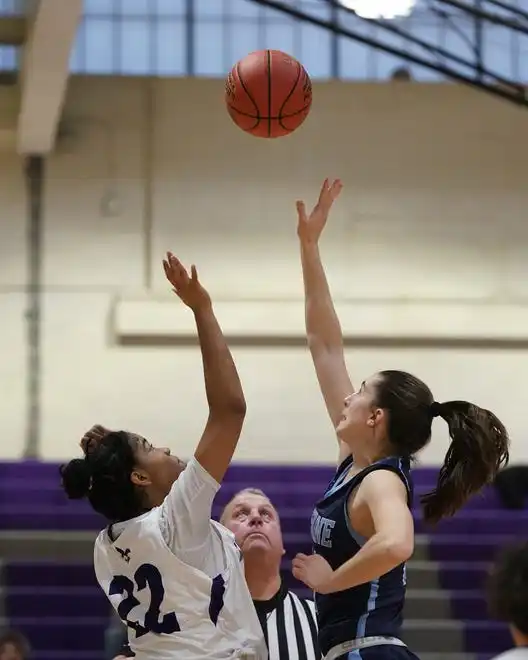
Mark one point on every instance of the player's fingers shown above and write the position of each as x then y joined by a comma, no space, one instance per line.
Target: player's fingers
98,429
95,433
335,189
174,261
301,211
176,265
324,191
194,274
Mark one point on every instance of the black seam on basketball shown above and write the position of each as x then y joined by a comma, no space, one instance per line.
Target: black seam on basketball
246,114
299,69
243,85
268,57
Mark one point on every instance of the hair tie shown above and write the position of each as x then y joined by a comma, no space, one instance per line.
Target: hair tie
436,409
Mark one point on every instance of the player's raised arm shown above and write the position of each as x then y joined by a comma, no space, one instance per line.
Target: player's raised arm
323,329
227,406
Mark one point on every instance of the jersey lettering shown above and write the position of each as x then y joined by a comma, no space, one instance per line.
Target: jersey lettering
147,576
321,529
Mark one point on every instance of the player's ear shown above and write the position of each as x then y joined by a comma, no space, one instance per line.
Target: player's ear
376,416
140,478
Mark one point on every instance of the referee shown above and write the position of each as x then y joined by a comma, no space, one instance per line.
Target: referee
288,621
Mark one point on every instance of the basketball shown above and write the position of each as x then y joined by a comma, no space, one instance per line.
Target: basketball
268,94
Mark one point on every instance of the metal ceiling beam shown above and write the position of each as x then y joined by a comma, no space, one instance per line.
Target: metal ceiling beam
482,15
514,10
391,27
507,90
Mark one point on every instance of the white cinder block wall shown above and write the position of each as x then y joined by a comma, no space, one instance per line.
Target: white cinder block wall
429,241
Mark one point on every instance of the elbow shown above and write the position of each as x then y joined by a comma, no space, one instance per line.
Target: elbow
234,408
400,550
239,408
312,340
320,346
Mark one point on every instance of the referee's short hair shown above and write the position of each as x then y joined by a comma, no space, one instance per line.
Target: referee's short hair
508,587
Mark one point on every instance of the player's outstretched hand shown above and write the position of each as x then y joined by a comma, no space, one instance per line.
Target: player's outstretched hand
309,227
186,287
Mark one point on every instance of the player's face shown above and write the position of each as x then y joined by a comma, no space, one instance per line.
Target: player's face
360,415
255,523
158,467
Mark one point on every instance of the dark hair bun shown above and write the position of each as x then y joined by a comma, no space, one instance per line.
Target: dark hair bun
76,476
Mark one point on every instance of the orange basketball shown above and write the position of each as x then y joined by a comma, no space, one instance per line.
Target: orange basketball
268,94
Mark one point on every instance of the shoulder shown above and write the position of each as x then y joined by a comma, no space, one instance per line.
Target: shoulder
193,479
383,478
192,493
102,542
392,473
141,525
102,538
384,484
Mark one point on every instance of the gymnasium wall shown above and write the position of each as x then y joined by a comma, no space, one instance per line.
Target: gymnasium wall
426,248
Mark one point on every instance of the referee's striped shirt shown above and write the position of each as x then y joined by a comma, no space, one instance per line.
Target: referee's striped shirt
289,626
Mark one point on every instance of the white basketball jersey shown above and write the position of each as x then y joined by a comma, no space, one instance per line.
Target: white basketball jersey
172,610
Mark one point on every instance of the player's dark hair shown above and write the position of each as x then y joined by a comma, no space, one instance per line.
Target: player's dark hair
508,587
479,440
103,477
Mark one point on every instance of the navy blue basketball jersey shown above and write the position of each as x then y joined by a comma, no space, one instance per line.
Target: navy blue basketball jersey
370,609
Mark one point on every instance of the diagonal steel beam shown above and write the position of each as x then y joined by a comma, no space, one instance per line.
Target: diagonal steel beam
495,19
431,48
516,94
507,7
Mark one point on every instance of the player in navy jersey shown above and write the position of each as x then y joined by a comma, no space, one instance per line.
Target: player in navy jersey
362,528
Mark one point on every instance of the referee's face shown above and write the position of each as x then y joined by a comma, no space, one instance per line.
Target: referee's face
255,523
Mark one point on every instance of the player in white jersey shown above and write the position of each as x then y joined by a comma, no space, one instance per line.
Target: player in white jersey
175,577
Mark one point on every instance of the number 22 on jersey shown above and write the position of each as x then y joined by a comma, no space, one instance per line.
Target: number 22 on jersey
147,576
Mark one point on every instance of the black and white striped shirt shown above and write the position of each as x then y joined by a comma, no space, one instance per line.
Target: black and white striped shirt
289,625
